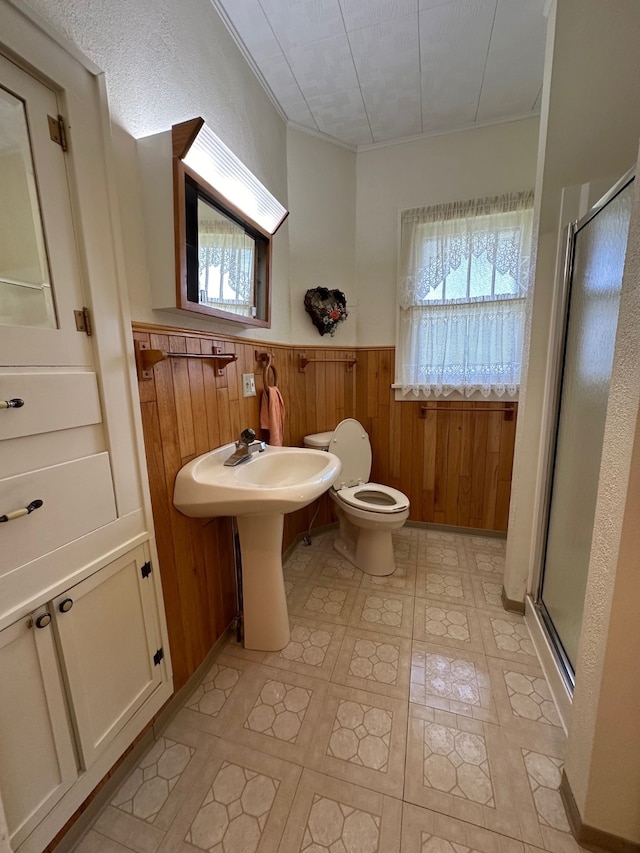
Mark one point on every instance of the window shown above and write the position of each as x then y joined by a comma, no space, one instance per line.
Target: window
463,278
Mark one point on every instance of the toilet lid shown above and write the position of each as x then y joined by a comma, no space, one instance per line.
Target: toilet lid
350,443
374,497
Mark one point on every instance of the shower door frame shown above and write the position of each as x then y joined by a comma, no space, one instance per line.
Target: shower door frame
560,330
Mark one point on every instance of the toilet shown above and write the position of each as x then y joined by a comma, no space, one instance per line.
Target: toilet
368,513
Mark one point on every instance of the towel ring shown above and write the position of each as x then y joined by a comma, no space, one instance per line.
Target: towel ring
268,366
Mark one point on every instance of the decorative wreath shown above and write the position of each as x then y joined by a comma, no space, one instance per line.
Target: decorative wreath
326,308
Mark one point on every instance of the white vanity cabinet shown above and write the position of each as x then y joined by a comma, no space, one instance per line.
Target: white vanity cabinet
74,674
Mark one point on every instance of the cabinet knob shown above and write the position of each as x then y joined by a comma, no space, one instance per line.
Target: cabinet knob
43,620
24,510
15,403
65,605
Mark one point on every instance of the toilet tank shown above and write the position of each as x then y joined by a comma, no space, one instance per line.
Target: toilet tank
318,440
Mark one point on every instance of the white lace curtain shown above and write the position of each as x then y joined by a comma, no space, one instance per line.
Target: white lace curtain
225,257
463,278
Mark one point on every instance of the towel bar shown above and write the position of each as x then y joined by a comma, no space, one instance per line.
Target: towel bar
147,358
303,361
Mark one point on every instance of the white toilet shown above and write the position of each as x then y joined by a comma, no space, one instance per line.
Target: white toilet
367,512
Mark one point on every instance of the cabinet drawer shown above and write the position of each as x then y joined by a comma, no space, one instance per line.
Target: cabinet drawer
52,401
78,498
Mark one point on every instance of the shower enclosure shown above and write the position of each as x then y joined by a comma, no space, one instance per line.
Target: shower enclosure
596,248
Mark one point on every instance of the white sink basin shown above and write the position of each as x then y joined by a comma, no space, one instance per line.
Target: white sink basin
278,480
259,492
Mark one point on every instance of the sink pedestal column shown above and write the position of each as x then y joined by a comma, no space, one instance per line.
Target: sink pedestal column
266,618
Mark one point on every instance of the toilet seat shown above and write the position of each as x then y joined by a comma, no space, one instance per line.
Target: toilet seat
350,443
373,497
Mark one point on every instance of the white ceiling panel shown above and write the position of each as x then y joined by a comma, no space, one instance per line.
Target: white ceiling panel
385,53
324,66
454,43
515,61
280,80
342,114
366,71
364,13
298,22
251,24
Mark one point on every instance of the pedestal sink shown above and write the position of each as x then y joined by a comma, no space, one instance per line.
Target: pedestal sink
259,492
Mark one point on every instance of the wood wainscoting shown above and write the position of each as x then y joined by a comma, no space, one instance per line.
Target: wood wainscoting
454,461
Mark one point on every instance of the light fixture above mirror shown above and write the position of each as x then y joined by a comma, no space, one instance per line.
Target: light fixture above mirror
224,221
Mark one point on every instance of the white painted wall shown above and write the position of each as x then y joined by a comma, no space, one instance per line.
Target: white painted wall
469,164
166,62
322,221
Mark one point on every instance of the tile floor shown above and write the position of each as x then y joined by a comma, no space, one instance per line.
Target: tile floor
408,714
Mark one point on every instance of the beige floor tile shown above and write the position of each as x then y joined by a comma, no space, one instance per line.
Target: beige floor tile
457,766
328,815
425,831
487,592
445,585
405,545
402,580
236,649
210,707
488,562
506,636
301,562
383,612
94,842
535,770
323,600
443,550
277,712
522,695
240,804
133,833
361,739
452,680
158,785
375,662
332,569
312,650
447,625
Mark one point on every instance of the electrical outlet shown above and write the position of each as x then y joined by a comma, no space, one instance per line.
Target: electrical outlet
248,385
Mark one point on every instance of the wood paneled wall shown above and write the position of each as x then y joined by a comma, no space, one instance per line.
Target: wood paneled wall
454,463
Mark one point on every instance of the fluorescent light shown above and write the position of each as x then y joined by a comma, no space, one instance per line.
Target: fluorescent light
213,161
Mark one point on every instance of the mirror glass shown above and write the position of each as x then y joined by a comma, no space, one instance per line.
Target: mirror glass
26,297
226,262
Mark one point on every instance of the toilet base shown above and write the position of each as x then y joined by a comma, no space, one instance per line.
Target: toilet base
372,554
369,548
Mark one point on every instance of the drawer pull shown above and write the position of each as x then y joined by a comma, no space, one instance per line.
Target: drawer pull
65,605
43,620
25,510
15,403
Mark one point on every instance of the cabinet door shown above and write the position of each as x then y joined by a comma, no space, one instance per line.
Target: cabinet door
106,629
37,759
40,285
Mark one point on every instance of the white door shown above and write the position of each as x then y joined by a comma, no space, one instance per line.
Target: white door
107,632
40,285
37,759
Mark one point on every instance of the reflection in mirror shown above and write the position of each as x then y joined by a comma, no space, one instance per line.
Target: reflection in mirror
26,297
226,269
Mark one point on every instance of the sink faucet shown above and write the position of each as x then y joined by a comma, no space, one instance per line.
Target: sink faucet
245,447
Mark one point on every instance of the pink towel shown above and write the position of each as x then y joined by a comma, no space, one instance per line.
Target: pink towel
272,414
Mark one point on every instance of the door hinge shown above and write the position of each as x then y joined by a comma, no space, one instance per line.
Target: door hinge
83,321
158,657
57,131
145,570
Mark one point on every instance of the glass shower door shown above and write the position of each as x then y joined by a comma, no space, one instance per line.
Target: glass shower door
593,293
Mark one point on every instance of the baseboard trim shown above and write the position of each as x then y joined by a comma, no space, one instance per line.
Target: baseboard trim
588,836
512,605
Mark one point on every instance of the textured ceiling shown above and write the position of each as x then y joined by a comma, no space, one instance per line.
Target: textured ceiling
367,71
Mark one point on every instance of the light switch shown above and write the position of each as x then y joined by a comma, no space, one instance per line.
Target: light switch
248,385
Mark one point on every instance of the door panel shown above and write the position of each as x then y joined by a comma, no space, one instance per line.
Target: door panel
594,296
